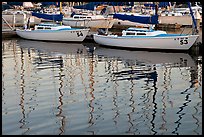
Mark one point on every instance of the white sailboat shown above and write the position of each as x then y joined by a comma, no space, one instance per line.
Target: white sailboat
146,38
88,17
90,21
54,32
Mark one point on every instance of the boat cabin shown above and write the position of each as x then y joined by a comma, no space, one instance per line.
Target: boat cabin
141,32
81,17
87,16
51,27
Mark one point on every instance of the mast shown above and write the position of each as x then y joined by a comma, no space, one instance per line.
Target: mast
193,18
61,11
156,12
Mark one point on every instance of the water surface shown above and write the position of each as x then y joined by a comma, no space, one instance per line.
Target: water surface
71,88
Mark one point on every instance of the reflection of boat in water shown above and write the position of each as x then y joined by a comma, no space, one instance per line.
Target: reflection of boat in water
147,57
53,48
52,54
135,65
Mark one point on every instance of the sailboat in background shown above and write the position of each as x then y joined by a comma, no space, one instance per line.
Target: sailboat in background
146,38
90,20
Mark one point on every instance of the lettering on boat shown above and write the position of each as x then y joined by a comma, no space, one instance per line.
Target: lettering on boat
79,34
184,41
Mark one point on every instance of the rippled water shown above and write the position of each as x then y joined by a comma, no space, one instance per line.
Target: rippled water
70,88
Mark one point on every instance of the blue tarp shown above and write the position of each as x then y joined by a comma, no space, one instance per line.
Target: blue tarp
15,3
5,6
55,17
49,3
140,19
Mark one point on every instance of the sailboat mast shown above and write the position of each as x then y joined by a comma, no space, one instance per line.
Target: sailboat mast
156,12
193,18
60,7
61,11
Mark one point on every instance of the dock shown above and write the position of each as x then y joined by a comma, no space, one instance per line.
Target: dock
8,34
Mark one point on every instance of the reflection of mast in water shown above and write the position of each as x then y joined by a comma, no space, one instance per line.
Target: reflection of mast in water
146,103
115,97
22,85
62,117
199,104
133,108
194,77
194,116
165,83
3,75
69,67
91,79
154,105
199,66
194,81
180,115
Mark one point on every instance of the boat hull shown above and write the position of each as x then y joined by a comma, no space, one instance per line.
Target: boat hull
63,35
174,43
93,23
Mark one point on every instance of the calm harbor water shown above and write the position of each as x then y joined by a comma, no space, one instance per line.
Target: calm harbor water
71,88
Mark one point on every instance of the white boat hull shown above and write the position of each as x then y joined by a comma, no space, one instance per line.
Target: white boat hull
94,23
175,43
65,35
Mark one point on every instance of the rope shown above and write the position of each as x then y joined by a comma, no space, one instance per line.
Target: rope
182,30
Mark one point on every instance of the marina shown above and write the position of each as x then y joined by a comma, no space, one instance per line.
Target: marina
136,75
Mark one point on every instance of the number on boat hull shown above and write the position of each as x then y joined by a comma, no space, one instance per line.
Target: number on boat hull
79,34
183,41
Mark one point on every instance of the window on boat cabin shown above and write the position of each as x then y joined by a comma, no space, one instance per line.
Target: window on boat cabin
47,28
40,27
76,17
88,17
129,33
141,33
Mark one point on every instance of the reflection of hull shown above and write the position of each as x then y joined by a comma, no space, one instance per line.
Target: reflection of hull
54,48
149,58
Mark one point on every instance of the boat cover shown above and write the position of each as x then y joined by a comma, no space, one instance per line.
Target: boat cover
55,17
140,19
